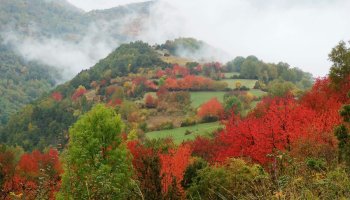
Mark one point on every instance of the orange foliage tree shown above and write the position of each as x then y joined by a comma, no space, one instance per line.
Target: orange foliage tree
80,91
150,101
160,172
37,176
211,110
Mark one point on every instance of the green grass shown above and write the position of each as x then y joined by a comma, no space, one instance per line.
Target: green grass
257,93
245,82
178,134
230,74
198,98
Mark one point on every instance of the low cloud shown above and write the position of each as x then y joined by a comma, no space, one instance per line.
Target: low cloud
300,32
70,57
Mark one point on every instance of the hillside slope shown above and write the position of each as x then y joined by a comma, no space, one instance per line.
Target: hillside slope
21,82
46,121
23,79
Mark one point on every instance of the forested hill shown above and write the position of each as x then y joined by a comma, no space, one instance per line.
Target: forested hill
127,77
46,120
36,18
31,17
21,81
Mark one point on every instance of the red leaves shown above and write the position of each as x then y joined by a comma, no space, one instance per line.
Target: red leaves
157,170
80,91
36,173
141,80
160,73
115,102
276,125
150,101
180,71
174,164
212,109
57,96
190,82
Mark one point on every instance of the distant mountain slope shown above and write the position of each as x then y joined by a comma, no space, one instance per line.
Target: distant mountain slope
60,19
41,17
27,23
21,82
46,121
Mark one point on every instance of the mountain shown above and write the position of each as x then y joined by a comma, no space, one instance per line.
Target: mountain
41,17
21,81
48,18
26,23
46,121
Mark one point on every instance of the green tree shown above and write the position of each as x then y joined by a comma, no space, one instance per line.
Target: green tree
280,88
232,102
97,164
235,64
340,56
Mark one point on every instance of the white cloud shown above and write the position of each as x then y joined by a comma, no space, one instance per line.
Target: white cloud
300,32
68,56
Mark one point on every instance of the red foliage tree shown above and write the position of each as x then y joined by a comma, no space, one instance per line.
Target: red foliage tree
80,91
160,73
37,175
281,124
150,101
174,164
211,109
180,71
189,83
57,96
146,163
205,148
115,102
158,170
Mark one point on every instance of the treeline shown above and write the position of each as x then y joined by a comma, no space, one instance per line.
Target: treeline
253,68
185,44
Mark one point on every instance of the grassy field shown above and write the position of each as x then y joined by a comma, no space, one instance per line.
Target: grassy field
178,134
257,93
230,74
245,82
198,98
175,60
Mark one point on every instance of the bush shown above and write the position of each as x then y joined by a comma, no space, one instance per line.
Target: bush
166,125
234,180
188,132
143,126
188,122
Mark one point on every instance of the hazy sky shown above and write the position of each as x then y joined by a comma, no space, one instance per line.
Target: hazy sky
300,32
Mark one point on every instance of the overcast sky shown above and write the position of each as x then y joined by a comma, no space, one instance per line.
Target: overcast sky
300,32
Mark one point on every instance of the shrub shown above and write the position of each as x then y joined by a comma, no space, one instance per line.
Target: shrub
188,122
